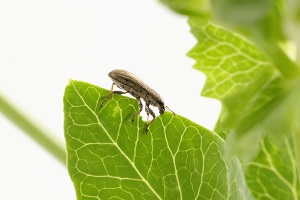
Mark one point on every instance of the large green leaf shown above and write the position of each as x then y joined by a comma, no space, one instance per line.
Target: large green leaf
256,98
110,158
253,92
237,73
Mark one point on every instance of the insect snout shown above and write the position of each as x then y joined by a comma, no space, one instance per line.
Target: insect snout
161,107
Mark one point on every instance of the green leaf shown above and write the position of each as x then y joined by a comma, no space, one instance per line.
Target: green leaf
110,158
253,92
236,72
273,174
230,62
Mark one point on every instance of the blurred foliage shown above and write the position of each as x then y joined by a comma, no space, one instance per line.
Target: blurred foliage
249,51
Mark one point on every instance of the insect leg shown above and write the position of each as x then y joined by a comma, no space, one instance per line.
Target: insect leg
112,92
149,110
141,108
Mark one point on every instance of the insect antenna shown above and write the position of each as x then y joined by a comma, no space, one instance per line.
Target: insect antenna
170,110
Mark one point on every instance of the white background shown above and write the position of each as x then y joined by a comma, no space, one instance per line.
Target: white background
43,43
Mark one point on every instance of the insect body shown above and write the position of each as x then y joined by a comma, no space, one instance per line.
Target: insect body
139,89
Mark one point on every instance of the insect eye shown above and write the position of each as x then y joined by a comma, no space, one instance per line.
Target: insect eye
161,104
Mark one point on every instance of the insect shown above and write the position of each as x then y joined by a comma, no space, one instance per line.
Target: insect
138,89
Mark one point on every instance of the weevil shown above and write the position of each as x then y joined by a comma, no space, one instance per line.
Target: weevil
138,89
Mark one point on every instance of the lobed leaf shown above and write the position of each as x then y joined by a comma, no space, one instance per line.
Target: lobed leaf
110,158
230,62
256,98
237,73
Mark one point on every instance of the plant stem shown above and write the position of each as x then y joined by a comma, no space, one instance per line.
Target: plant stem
288,68
42,137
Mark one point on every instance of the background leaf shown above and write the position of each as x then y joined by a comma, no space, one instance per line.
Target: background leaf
237,74
257,101
108,157
273,174
253,92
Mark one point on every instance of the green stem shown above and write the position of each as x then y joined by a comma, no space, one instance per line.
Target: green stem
41,136
287,67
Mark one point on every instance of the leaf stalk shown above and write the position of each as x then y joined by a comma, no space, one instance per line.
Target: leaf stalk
44,138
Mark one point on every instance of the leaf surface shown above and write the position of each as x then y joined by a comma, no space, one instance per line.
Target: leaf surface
256,98
237,73
251,89
108,157
273,174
